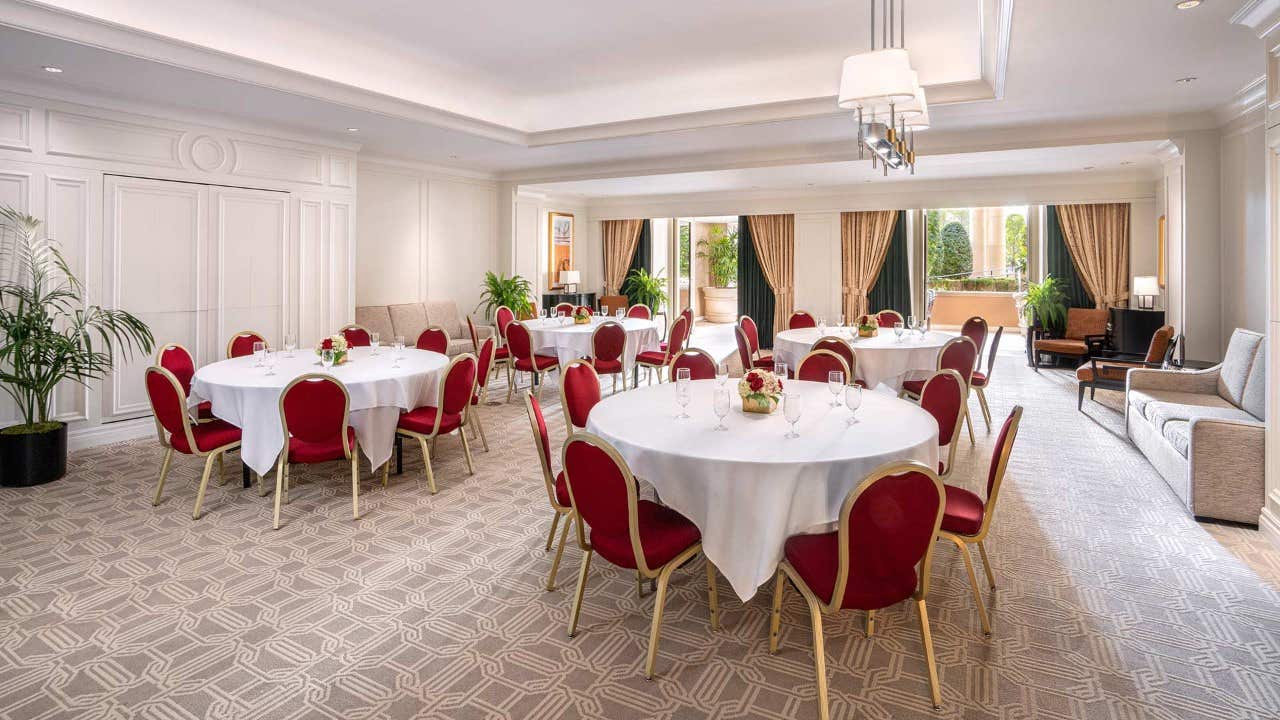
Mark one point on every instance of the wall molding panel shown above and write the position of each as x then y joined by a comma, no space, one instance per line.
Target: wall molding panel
15,127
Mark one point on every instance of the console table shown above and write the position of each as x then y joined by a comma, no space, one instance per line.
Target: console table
551,300
1131,329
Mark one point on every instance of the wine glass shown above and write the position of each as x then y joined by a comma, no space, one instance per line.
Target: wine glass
840,321
259,349
853,401
374,340
835,383
290,344
683,397
720,405
779,369
897,331
399,350
683,376
618,313
792,407
326,359
822,325
269,360
722,374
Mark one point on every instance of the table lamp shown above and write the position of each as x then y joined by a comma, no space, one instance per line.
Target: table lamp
1146,288
570,279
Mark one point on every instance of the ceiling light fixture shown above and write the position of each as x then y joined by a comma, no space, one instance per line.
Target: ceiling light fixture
1088,167
885,92
1186,80
353,129
52,69
1187,4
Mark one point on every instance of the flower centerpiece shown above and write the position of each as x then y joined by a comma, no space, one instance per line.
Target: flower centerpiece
581,316
760,391
867,328
336,343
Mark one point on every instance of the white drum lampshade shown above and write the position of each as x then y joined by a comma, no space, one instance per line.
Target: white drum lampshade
875,78
1146,288
570,277
917,105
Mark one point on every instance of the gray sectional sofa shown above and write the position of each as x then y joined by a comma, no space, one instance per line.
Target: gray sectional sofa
410,319
1203,430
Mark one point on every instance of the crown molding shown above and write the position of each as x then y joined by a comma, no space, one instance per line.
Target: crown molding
1260,16
427,171
1250,98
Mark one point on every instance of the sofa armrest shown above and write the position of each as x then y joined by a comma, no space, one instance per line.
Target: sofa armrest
1226,465
1193,381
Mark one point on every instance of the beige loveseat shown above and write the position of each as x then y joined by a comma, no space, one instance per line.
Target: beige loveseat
410,319
1203,430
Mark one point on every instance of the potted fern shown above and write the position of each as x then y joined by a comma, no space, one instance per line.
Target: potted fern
644,289
48,334
720,252
514,292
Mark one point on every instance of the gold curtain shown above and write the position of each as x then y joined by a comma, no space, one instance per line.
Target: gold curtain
1097,236
620,240
864,242
774,238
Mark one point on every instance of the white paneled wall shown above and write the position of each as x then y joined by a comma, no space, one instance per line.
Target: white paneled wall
199,231
817,280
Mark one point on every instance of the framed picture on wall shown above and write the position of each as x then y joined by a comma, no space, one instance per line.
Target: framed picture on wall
560,249
1160,250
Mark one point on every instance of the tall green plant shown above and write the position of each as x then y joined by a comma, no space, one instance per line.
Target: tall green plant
48,333
513,292
642,288
721,253
1046,302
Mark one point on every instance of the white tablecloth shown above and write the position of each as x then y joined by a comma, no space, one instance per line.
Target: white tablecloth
570,342
881,359
245,396
748,489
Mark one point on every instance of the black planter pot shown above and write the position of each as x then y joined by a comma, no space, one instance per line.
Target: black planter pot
33,459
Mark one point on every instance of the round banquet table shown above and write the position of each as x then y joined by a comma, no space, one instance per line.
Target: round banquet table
569,341
247,397
881,359
748,489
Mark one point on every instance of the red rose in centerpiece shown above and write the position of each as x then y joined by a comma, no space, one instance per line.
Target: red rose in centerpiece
756,382
327,344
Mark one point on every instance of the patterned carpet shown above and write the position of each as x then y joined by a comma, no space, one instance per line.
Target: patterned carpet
1113,603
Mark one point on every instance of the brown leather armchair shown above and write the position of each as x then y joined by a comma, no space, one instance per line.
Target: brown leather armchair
1086,328
1110,370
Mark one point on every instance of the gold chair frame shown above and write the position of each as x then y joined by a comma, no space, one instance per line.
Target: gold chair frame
853,368
500,339
209,456
244,333
549,480
621,357
564,404
844,366
688,351
967,385
991,365
666,360
447,337
435,430
483,390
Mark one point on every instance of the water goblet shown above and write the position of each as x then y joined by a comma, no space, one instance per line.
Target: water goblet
720,405
326,359
290,344
269,360
792,407
822,326
682,397
911,321
840,321
374,341
683,376
722,374
399,350
853,401
779,369
897,331
835,383
618,313
259,349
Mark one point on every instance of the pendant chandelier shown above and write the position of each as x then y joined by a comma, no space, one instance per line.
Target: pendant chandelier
885,93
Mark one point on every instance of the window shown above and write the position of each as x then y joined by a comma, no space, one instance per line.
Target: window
977,249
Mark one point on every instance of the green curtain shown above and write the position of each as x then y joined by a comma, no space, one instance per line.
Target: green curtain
755,297
1059,264
643,256
892,289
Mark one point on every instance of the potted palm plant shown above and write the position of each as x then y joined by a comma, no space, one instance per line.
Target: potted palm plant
720,252
644,289
514,292
48,334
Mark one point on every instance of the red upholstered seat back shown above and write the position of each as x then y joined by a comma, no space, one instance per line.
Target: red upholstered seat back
177,360
459,385
168,401
891,525
699,364
1008,433
598,487
960,355
975,328
315,409
751,332
943,398
357,336
839,347
541,436
800,319
475,337
744,348
608,341
242,344
581,392
679,334
639,311
485,361
886,318
504,317
519,342
434,339
566,308
815,366
991,356
687,314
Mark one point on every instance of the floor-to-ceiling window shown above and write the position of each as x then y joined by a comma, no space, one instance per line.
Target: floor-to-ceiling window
976,263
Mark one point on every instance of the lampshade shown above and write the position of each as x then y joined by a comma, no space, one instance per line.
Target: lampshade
919,121
917,104
570,277
1145,285
875,77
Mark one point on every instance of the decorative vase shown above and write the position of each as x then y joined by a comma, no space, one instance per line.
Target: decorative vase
867,332
719,305
762,404
35,458
581,319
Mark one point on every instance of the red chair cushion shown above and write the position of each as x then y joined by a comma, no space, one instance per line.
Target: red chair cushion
963,514
604,367
652,357
422,420
915,387
765,363
562,490
860,383
204,410
542,361
816,559
208,436
664,534
978,379
301,451
502,353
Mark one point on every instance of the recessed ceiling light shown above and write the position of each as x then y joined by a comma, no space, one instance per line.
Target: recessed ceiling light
353,129
453,157
1126,162
1187,4
52,69
1088,167
1187,80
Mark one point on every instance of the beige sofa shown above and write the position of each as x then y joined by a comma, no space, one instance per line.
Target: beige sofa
1203,430
410,319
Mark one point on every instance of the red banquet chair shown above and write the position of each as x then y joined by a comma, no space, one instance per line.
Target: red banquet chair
887,526
968,517
659,359
313,413
557,491
687,314
481,396
975,328
699,364
579,392
523,358
434,339
502,317
959,354
426,423
178,361
564,307
608,341
801,319
831,343
943,396
356,336
886,318
241,344
175,430
583,308
745,355
979,381
639,311
818,364
752,335
633,534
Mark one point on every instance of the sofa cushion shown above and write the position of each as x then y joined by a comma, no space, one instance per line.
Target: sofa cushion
1236,364
445,314
457,346
409,319
1159,413
1178,434
1255,387
375,318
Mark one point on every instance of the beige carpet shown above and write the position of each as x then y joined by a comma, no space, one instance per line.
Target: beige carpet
1113,603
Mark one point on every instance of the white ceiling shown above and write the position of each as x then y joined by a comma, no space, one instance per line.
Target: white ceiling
518,89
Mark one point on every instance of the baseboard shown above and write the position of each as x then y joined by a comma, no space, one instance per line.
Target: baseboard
108,433
1269,524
